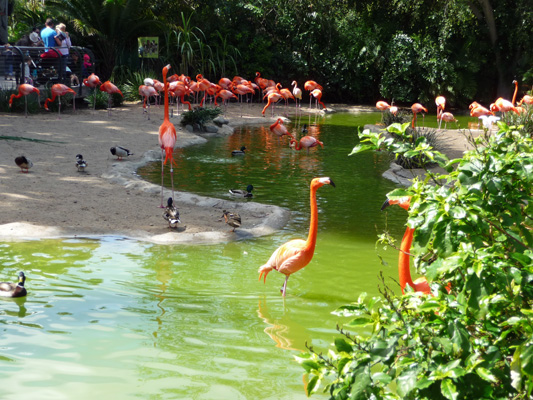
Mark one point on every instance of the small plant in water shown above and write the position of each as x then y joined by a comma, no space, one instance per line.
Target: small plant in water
199,116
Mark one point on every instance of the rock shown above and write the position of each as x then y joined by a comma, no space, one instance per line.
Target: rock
225,130
189,128
220,120
211,128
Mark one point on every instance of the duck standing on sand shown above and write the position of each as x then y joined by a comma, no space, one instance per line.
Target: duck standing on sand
239,152
232,219
120,152
8,289
24,163
81,164
243,193
171,214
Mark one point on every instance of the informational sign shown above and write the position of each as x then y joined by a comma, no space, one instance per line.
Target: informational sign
149,47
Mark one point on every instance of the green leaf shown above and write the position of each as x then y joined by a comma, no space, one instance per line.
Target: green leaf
448,389
382,378
310,365
360,321
406,382
311,385
362,147
342,346
485,374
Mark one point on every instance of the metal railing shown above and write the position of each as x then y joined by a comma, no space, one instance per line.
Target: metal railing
43,67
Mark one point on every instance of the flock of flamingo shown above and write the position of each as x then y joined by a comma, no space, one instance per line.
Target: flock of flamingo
486,115
295,254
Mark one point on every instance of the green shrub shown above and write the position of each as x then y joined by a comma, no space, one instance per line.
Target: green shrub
199,116
474,233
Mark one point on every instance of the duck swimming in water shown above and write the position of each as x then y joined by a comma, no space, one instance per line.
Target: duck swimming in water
239,152
8,289
243,193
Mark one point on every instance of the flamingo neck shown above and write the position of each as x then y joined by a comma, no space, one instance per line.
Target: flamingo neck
165,84
313,225
404,270
515,92
298,146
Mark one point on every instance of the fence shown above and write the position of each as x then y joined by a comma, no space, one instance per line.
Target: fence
43,67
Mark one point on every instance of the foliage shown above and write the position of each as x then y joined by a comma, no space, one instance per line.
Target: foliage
523,121
473,232
102,99
199,116
412,148
132,81
18,104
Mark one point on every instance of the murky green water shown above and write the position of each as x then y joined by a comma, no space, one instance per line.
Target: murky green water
113,318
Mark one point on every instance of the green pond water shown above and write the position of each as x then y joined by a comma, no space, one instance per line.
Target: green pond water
115,318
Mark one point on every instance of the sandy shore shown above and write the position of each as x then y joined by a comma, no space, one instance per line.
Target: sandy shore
55,200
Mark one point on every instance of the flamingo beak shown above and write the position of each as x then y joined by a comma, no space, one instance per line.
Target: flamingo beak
332,183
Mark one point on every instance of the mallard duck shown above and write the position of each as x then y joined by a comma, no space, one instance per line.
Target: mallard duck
24,163
243,193
304,128
239,152
232,219
120,152
8,289
171,214
81,164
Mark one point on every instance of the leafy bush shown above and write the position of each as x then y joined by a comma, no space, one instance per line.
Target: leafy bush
18,104
476,342
199,116
102,99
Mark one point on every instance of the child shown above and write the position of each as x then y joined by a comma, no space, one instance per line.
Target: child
27,74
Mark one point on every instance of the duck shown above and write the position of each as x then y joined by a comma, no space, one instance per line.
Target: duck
304,128
8,289
24,163
81,164
243,193
239,152
120,152
171,214
232,219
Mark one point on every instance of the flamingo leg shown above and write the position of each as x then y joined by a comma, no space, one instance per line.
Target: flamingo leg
172,180
162,175
58,107
25,106
284,287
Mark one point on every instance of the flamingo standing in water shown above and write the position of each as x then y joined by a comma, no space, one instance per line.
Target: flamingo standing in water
109,88
417,108
297,253
59,90
306,142
24,90
93,81
404,272
297,93
279,129
167,139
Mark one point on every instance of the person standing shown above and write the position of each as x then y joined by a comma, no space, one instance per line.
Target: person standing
62,39
48,34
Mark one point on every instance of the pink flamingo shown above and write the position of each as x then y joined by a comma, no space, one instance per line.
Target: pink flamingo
24,90
446,117
417,108
294,255
60,90
279,129
440,102
226,95
146,91
167,139
306,142
273,98
109,88
92,81
382,106
310,86
297,93
317,94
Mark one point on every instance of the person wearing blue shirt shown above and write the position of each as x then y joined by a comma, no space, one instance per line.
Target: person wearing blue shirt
48,34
